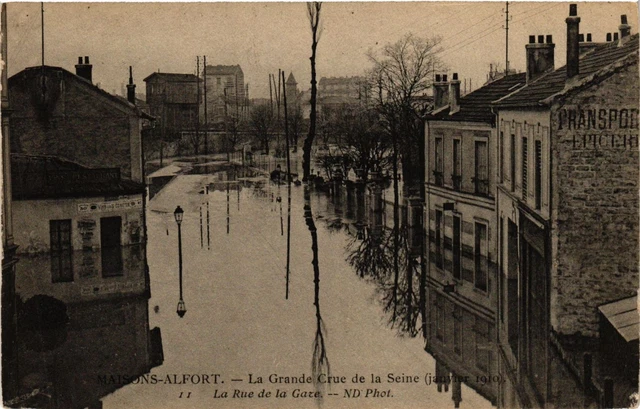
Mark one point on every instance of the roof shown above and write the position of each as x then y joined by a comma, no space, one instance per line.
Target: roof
623,315
170,76
339,80
291,80
222,69
46,177
547,86
476,106
122,102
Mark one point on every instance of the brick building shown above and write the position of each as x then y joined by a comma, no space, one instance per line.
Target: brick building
567,205
57,113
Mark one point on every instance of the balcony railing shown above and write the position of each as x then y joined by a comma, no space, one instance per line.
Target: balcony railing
456,180
481,186
439,178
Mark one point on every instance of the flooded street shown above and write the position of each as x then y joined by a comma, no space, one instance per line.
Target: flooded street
239,323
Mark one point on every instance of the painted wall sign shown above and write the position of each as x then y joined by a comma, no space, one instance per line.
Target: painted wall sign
110,206
598,118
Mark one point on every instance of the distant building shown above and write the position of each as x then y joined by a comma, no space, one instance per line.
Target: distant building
226,93
173,100
333,92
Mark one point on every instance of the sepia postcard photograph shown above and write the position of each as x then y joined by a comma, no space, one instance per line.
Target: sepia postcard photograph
385,205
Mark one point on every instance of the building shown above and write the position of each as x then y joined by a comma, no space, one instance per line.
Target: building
567,208
57,113
334,92
460,191
226,92
173,99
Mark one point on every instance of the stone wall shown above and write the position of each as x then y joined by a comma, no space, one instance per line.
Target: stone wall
596,164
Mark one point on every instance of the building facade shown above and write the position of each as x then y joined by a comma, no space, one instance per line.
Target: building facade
226,92
567,208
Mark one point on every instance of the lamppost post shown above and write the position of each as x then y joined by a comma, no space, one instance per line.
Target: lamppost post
178,213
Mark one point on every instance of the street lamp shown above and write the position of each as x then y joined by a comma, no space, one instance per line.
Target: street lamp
178,213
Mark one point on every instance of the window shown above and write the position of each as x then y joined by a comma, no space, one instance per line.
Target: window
457,329
456,177
439,317
480,257
502,157
111,251
483,350
481,178
538,174
525,167
457,264
513,162
61,251
439,170
438,238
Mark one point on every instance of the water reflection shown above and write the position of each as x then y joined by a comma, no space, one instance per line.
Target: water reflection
81,339
320,361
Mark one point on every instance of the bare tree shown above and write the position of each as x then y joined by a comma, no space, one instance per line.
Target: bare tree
261,123
313,11
402,73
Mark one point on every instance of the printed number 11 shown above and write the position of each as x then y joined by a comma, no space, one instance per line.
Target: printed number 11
182,395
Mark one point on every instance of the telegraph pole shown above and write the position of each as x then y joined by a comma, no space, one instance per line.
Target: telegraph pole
197,105
506,29
206,122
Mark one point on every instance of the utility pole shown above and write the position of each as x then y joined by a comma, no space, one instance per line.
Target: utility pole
44,89
506,29
226,118
270,96
206,122
197,142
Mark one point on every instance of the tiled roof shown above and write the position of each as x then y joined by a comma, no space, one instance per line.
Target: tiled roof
47,177
554,82
173,76
476,106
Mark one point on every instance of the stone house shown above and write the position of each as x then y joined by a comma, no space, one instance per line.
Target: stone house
567,208
57,113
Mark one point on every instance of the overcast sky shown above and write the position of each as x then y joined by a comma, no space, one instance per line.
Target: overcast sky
263,37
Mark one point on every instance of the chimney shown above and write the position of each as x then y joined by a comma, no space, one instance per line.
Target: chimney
440,91
573,44
625,29
540,56
131,88
454,94
588,45
84,70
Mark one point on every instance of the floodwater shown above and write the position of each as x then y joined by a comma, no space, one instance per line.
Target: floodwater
335,315
317,301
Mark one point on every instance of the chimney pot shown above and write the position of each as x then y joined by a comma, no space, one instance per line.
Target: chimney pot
532,39
540,39
79,60
573,10
573,42
615,36
623,19
588,37
625,29
581,38
444,77
455,76
131,88
86,60
437,77
608,37
549,39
